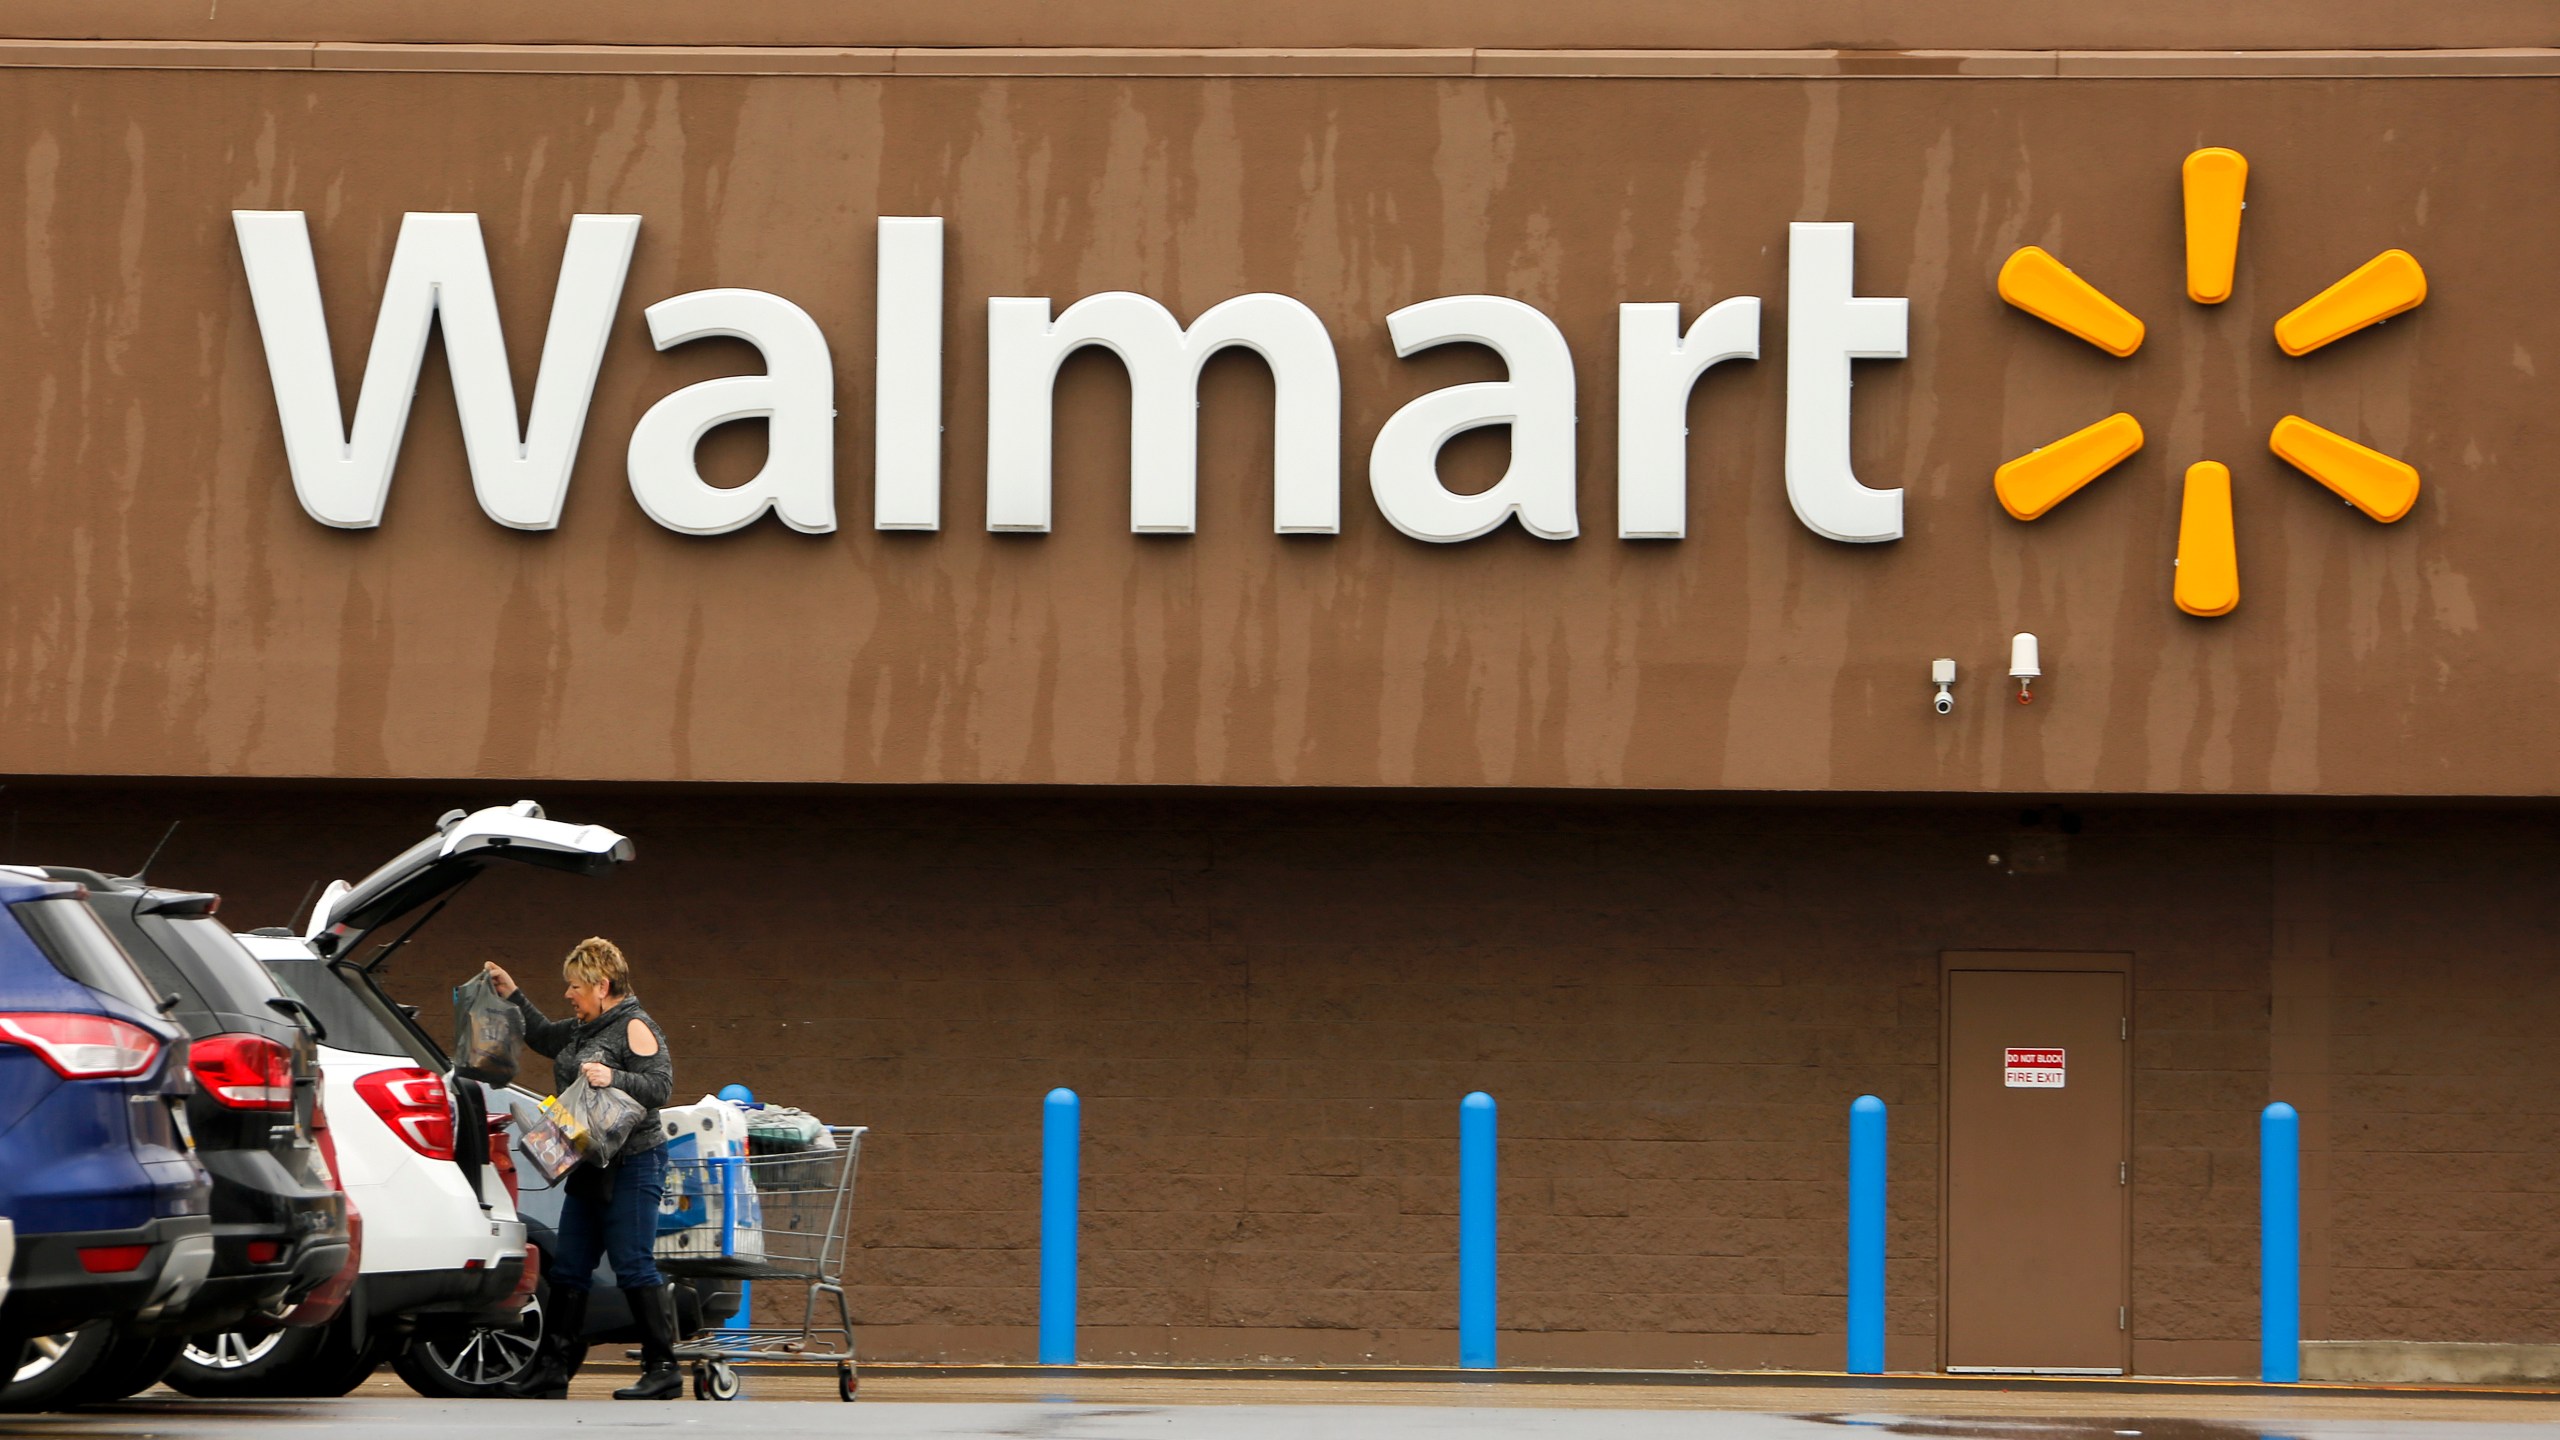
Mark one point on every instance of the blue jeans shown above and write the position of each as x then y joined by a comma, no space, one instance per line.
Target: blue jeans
613,1211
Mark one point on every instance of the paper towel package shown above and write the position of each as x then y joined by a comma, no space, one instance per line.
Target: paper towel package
716,1126
701,1191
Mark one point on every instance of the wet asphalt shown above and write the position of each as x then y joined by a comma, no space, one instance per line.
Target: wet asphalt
385,1418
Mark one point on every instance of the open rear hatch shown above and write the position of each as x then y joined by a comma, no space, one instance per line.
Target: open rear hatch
427,873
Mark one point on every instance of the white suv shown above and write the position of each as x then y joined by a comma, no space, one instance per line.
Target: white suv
443,1245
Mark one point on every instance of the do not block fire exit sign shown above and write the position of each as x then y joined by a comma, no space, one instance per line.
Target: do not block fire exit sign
2031,1069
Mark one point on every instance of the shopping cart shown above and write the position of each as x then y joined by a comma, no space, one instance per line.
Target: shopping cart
771,1216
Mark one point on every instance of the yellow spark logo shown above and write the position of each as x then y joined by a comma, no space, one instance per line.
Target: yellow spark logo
2208,562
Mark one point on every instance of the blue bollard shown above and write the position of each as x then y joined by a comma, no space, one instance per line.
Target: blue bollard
1475,1232
2279,1244
1866,1236
744,1319
1059,1138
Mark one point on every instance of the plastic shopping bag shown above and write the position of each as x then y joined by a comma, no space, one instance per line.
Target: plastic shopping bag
608,1116
794,1149
486,1031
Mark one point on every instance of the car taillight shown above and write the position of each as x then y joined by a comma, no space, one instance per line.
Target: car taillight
414,1104
503,1156
82,1047
113,1259
526,1281
245,1072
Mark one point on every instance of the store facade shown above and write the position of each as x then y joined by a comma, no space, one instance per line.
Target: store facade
1279,584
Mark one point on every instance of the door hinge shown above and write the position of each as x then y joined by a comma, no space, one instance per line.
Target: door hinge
2124,1172
2124,1027
2119,1317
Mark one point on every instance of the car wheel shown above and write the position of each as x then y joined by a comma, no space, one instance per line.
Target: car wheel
130,1365
53,1364
335,1367
318,1361
238,1362
475,1362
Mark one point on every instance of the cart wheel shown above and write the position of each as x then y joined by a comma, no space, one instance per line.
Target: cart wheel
845,1383
724,1381
701,1382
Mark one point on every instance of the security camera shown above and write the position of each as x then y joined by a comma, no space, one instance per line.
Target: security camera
1946,703
1942,673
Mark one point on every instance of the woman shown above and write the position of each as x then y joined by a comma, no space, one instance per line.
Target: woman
606,1209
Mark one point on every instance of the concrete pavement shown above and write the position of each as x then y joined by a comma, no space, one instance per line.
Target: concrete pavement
1071,1407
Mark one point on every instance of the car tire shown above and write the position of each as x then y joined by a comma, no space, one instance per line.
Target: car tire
53,1364
336,1367
314,1362
474,1363
131,1365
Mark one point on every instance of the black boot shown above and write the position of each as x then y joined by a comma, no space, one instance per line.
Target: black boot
564,1344
654,1306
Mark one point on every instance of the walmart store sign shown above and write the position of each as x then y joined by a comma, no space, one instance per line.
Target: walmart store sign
520,465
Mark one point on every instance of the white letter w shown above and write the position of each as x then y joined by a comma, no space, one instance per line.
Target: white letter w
439,272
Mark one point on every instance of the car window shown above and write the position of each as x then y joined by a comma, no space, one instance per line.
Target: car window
227,976
356,1018
80,947
158,971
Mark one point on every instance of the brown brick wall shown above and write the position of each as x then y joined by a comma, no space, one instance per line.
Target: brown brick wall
2446,1209
1273,1006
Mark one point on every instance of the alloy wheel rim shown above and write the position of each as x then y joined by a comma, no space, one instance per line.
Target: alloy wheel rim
42,1352
491,1354
231,1349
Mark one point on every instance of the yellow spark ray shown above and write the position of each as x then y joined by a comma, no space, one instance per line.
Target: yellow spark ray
2045,288
2045,477
2375,483
2215,180
2208,556
2373,292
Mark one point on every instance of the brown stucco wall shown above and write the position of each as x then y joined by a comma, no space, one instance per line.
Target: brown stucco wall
1273,1008
169,609
1819,24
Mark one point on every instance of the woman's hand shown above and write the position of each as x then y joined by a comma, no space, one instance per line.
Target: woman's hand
598,1073
499,979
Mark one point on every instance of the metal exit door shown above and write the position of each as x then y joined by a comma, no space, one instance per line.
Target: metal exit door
2038,1149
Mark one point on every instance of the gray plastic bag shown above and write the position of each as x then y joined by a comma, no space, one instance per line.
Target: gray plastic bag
608,1116
486,1032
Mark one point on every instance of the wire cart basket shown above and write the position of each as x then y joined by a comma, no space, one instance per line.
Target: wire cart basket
771,1216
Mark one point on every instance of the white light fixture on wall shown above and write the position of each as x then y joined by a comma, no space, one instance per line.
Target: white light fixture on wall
2023,666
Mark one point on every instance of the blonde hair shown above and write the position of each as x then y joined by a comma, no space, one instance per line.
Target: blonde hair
596,959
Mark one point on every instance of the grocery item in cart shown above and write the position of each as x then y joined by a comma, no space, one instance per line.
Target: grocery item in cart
710,1208
777,1131
715,1126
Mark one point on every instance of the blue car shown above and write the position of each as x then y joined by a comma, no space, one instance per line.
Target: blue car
111,1210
